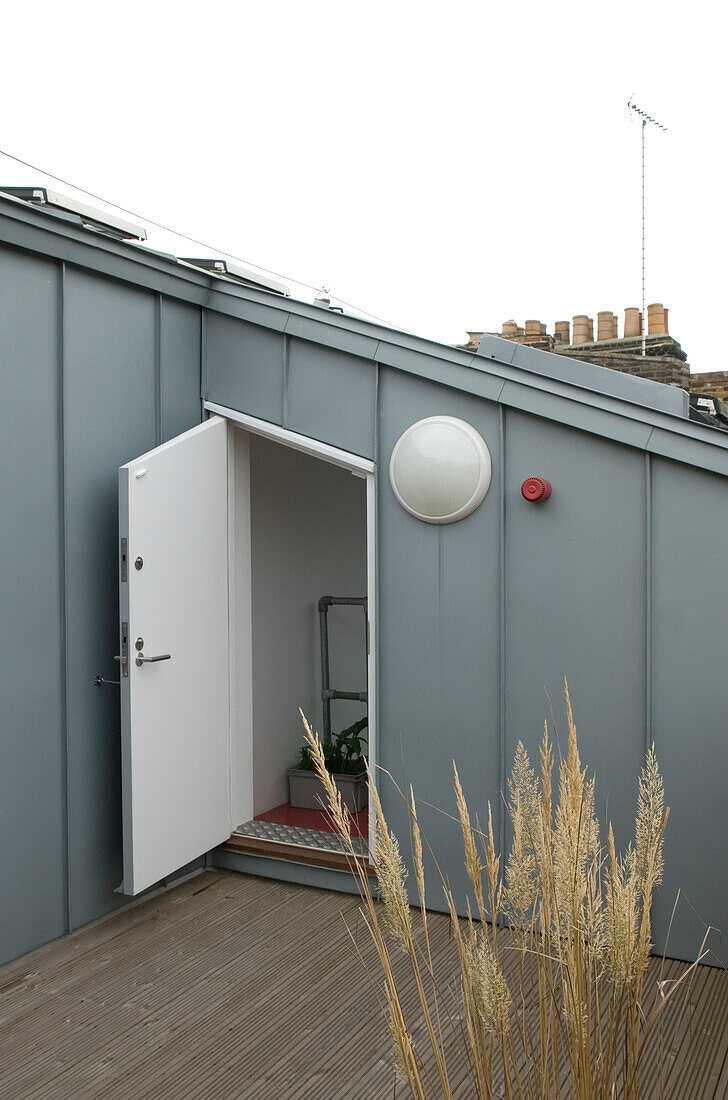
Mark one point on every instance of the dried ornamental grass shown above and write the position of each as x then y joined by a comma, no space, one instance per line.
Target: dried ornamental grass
572,1023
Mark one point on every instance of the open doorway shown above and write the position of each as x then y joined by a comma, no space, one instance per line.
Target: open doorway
229,535
300,532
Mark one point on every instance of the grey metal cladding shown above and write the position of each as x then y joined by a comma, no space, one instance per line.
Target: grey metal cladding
575,602
331,397
245,367
586,417
704,452
30,228
396,338
439,633
32,763
394,354
109,362
690,725
459,376
640,391
332,335
37,230
624,596
223,298
492,347
180,367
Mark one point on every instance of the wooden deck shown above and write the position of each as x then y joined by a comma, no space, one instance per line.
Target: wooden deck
229,986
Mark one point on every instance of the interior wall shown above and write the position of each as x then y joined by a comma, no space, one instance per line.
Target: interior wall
308,539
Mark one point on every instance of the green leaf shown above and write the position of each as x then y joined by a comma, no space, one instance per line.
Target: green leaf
343,755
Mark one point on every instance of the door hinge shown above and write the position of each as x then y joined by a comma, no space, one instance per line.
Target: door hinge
124,560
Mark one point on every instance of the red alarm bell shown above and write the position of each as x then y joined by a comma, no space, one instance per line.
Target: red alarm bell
536,489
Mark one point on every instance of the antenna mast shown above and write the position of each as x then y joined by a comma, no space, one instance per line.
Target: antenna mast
644,119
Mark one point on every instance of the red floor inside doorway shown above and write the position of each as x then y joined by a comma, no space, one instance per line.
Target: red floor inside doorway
286,814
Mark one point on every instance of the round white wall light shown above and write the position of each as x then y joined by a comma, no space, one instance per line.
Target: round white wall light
440,469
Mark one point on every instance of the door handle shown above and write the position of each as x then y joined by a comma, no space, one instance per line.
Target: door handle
142,660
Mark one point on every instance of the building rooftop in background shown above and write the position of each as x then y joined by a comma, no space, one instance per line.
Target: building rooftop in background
663,361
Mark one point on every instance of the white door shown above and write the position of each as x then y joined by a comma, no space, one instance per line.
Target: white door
173,514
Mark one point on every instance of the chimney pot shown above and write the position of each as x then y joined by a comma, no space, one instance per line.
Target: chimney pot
632,322
656,319
581,330
605,325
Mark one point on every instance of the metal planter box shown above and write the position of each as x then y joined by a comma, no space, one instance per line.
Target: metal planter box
306,791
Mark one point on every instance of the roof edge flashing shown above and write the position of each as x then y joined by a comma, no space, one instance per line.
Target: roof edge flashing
589,376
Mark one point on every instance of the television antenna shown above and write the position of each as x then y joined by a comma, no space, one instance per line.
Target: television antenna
646,120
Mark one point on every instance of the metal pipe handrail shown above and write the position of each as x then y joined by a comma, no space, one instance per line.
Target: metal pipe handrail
327,692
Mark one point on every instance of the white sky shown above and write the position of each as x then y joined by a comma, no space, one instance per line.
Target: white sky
443,166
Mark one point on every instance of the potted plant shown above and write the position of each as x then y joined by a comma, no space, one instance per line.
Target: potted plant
345,760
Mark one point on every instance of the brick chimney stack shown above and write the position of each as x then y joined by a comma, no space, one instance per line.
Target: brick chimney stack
580,332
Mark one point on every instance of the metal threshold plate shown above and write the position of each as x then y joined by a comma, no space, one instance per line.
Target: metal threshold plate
301,838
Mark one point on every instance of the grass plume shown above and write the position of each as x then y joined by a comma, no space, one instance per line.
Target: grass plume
568,1019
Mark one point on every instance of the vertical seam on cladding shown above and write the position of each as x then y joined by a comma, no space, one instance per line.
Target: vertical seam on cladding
440,619
374,640
203,361
375,440
158,367
286,374
648,604
502,610
63,585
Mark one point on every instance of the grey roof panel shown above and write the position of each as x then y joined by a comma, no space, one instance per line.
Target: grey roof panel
589,418
398,355
492,347
458,375
332,335
641,391
695,452
255,312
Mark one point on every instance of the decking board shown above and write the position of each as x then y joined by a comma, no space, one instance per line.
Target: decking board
228,986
